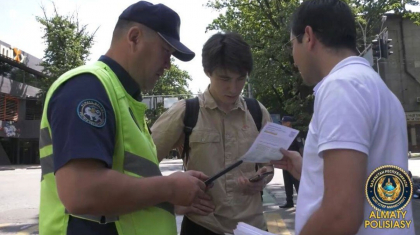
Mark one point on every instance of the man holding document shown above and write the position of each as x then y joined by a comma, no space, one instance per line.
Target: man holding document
224,131
358,125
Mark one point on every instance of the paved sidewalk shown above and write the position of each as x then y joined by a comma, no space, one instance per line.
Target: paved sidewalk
279,221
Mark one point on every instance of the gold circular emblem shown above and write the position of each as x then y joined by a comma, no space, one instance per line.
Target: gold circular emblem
389,188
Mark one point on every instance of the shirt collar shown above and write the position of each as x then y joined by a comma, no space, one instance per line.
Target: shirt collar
210,103
126,80
347,61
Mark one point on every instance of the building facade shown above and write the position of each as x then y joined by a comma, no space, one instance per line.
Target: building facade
401,72
20,110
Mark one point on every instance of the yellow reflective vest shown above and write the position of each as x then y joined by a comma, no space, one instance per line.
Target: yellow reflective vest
134,155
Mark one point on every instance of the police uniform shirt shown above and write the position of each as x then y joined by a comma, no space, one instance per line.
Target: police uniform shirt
297,144
74,138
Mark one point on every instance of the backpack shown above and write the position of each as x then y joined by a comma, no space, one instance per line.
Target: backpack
192,108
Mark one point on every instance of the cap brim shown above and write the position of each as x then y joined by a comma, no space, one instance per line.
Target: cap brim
181,51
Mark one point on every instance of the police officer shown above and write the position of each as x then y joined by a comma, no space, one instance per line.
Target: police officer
100,173
289,180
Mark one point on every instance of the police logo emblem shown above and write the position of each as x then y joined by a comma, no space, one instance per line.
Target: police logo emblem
92,112
389,188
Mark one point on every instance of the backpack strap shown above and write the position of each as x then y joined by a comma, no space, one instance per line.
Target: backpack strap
256,113
255,110
192,108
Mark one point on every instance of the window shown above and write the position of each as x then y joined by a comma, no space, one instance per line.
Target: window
9,108
19,75
33,110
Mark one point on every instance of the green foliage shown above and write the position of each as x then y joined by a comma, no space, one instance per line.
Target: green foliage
68,44
173,82
264,24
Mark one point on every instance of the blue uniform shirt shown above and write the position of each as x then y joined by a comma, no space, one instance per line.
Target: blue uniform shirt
78,134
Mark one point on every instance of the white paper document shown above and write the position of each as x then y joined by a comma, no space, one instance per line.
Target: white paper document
246,229
268,143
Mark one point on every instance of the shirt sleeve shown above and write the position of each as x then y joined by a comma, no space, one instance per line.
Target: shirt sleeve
343,116
82,121
168,129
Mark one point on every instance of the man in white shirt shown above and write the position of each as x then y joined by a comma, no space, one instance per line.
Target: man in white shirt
358,125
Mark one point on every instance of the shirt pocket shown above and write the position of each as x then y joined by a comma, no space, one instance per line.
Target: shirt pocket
246,138
199,137
204,142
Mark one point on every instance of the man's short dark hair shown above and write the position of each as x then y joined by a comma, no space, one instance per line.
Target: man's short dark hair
122,27
227,51
331,20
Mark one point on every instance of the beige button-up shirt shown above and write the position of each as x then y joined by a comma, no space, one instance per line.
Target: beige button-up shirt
218,140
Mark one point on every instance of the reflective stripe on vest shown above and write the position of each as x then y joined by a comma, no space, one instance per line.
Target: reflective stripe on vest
132,163
44,138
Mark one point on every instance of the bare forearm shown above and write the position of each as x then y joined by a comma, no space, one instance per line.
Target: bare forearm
108,192
315,224
323,222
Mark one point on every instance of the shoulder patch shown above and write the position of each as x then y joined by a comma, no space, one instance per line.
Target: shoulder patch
92,112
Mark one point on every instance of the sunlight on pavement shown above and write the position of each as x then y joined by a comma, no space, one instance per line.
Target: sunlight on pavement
275,224
29,230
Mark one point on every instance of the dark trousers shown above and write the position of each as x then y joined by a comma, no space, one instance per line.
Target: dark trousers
289,182
190,228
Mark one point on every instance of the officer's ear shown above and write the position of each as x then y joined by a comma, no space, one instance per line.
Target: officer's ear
134,36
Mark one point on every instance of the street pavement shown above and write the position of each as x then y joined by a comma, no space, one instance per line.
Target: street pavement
19,199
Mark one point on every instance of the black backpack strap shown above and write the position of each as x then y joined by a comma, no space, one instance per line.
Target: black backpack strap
256,113
255,110
192,108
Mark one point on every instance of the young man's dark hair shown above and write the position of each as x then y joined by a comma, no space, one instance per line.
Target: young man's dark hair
227,51
331,20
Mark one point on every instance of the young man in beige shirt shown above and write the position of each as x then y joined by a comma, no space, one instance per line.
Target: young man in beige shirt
223,134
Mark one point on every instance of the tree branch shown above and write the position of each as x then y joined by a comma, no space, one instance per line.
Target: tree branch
268,14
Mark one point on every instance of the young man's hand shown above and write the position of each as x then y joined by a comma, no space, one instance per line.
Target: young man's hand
251,188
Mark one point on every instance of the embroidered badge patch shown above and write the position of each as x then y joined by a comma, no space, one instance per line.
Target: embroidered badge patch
92,112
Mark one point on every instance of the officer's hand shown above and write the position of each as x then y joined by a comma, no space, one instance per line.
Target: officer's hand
291,162
187,187
251,188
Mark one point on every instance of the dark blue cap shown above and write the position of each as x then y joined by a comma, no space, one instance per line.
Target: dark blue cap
161,19
287,119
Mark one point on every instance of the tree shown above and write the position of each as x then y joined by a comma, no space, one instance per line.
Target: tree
68,44
265,25
173,82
